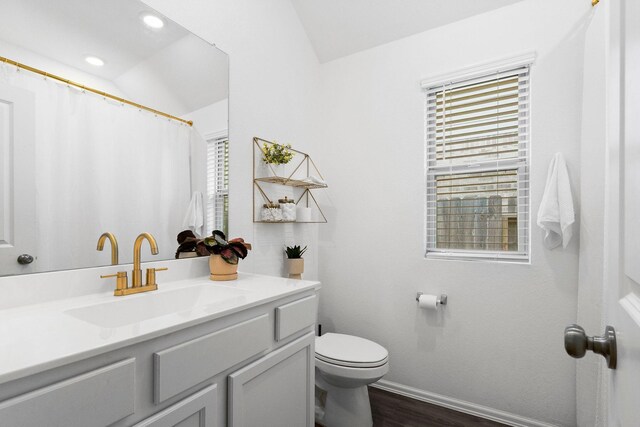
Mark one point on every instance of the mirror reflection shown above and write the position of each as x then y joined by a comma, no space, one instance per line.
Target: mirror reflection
134,140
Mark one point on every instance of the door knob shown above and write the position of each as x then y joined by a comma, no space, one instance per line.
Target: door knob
25,259
576,342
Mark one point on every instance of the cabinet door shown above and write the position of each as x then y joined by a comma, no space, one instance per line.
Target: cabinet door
276,390
197,410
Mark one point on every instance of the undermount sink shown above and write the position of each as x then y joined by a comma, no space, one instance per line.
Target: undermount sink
123,311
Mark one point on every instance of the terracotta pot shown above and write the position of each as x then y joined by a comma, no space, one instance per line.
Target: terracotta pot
296,267
222,270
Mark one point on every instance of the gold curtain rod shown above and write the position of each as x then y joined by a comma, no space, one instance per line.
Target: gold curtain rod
89,89
594,2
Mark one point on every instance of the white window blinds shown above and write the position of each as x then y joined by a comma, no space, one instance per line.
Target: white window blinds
217,185
478,167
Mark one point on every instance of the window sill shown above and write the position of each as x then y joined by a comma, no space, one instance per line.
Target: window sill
499,257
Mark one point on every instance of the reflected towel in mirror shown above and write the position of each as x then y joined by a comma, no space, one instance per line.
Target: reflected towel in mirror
194,217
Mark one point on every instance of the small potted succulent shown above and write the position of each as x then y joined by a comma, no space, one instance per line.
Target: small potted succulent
295,262
275,156
223,261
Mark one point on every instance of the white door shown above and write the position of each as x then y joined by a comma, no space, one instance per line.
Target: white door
622,211
17,180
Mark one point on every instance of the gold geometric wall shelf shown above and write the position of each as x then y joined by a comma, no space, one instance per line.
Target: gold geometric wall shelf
301,176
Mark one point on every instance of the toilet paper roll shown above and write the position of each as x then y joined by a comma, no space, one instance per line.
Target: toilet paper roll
429,302
303,214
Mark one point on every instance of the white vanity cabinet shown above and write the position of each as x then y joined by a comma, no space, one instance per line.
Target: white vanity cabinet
277,390
253,367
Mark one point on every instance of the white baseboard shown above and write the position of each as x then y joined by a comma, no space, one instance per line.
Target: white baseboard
461,405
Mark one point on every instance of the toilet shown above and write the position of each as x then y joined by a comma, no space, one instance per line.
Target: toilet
345,365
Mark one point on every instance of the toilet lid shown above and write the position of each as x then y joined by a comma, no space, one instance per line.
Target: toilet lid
347,350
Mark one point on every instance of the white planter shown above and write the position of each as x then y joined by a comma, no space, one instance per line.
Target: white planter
266,170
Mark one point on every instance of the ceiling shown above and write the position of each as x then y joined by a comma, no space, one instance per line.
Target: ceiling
69,30
339,28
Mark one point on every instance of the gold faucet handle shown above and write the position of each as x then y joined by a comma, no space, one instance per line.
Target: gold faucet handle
151,275
122,281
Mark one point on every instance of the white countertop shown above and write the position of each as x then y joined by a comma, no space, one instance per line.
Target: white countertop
46,335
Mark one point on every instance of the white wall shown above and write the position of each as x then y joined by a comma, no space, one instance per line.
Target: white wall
499,341
213,118
274,86
146,83
184,76
28,57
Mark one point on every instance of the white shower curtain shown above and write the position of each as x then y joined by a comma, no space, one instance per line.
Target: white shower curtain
102,166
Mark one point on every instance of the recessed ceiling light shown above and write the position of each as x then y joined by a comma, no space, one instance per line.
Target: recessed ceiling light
95,61
153,21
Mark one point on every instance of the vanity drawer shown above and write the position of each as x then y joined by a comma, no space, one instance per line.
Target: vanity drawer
295,316
179,368
97,398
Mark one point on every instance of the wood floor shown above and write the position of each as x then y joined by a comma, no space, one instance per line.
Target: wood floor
393,410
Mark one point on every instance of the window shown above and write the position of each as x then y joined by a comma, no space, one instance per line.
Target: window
218,184
477,163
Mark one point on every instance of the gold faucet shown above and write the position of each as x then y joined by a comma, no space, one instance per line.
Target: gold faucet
114,246
136,280
122,282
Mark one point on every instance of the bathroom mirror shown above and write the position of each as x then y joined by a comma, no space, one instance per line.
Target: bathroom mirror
116,155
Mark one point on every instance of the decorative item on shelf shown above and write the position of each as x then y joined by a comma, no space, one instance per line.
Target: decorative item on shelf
315,181
288,207
271,212
275,156
223,261
295,262
303,214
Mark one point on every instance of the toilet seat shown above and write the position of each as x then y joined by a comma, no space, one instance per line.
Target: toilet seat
351,364
350,351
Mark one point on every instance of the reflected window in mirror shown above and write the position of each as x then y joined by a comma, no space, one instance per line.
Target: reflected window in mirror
218,184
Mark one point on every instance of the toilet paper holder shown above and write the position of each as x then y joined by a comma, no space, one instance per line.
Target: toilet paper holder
442,300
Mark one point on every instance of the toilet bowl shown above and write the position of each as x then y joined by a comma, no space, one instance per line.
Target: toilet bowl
345,365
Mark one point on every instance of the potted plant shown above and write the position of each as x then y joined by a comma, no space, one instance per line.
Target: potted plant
223,261
295,262
275,156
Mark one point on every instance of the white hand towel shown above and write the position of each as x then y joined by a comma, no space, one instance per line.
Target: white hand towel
312,179
194,218
556,215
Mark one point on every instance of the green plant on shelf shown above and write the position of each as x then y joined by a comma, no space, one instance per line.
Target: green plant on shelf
277,154
294,252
